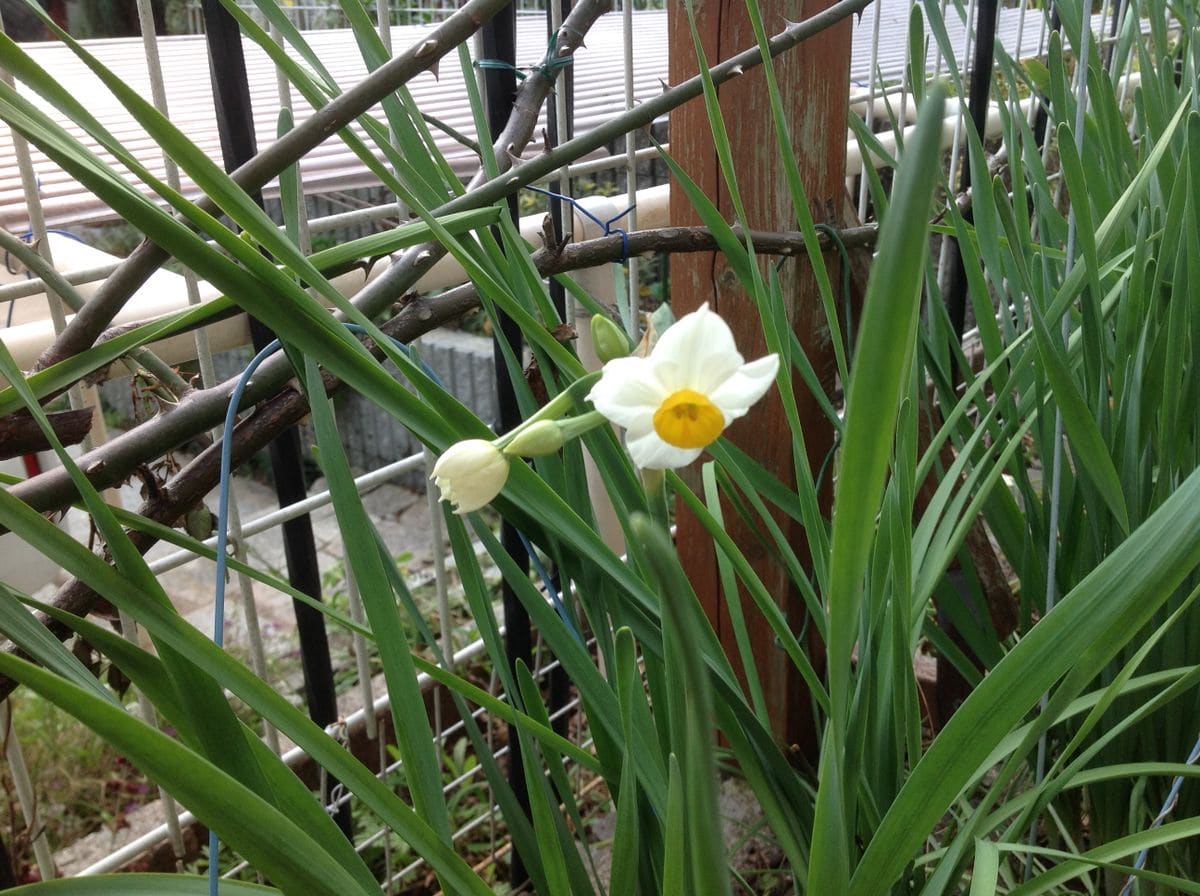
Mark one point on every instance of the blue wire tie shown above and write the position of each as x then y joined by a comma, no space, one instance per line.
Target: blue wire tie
501,64
606,226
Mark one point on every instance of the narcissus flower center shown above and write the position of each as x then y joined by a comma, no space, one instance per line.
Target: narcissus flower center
687,419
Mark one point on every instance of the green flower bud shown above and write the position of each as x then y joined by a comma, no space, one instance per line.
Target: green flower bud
539,438
608,339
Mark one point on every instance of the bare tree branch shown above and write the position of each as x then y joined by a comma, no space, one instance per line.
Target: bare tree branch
98,313
414,263
418,315
19,434
281,407
401,277
202,409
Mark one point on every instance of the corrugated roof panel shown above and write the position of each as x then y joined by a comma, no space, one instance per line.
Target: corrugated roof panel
599,93
329,167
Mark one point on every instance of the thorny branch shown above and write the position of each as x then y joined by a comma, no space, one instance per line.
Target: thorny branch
201,409
419,315
280,406
97,314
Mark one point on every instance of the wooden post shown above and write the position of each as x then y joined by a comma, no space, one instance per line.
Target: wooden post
814,84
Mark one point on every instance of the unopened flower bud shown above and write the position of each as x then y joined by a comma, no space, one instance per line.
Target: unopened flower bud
536,440
608,339
470,474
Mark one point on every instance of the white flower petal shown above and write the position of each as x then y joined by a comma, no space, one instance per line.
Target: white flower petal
668,373
649,452
746,386
628,391
714,369
702,346
470,474
696,354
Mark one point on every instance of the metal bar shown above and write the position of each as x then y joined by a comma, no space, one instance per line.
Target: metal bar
291,511
499,36
978,103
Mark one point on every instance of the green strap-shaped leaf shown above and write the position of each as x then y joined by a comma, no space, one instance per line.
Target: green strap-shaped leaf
1114,600
266,837
26,632
1087,443
137,885
883,357
705,867
413,734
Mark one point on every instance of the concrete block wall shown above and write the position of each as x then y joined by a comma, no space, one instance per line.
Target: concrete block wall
371,436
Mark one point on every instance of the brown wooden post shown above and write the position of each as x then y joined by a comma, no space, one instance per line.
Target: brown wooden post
814,83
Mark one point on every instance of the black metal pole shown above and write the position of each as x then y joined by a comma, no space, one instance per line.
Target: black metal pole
952,687
235,121
1113,25
560,682
979,97
500,85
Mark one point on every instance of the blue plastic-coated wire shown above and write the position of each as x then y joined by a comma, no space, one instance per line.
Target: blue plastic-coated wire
1168,805
606,226
222,546
235,399
223,496
551,589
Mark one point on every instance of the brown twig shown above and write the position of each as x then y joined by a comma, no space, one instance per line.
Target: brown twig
20,434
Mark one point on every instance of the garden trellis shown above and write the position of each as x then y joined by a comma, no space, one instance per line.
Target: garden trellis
617,70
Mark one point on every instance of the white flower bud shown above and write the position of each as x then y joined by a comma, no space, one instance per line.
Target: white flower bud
470,474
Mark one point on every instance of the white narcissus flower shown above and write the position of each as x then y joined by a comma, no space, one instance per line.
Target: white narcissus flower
470,474
677,401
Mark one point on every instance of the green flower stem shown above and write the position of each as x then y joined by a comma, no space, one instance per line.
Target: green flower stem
556,408
574,427
655,484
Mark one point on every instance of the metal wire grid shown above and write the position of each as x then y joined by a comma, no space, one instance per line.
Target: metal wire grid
394,873
1022,33
883,84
